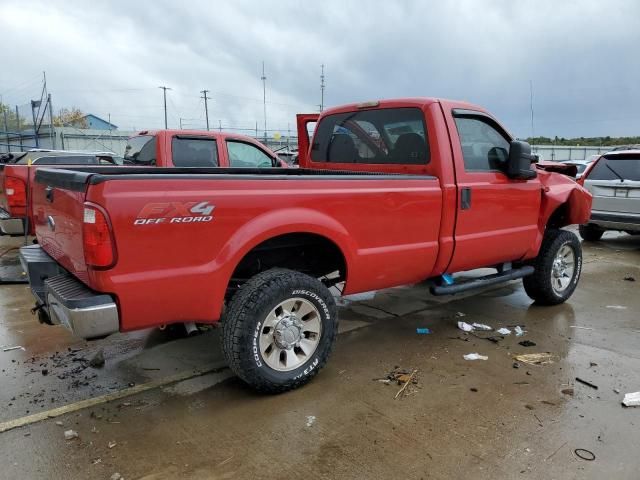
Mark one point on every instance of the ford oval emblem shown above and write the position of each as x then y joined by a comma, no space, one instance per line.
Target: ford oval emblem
52,223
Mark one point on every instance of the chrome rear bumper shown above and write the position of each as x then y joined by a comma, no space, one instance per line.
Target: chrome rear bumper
68,301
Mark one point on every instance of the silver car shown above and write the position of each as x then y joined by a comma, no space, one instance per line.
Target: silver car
614,182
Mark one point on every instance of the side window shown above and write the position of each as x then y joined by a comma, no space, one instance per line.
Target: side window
194,152
247,155
382,136
484,147
141,150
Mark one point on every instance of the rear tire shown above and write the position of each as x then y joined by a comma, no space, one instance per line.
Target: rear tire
590,233
279,330
557,268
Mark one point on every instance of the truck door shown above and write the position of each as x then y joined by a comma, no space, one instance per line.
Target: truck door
304,120
497,217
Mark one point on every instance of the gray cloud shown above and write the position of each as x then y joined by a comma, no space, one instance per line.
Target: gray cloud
109,58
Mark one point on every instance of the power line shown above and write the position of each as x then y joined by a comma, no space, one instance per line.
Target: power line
164,95
206,107
264,99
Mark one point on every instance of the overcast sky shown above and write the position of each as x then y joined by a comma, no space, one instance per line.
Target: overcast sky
582,57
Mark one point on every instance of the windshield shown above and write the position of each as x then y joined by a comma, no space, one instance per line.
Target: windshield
627,168
141,150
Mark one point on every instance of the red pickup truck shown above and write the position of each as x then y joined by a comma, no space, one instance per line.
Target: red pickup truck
395,192
162,148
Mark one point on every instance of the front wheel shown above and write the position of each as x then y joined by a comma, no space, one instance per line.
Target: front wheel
557,268
279,330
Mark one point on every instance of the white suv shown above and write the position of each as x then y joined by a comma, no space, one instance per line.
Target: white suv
614,182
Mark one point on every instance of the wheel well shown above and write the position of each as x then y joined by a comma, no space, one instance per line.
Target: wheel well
559,218
308,253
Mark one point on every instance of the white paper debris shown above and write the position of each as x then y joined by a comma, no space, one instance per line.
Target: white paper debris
481,326
617,307
310,420
9,349
631,399
519,331
112,444
464,326
504,331
116,476
475,356
461,314
70,434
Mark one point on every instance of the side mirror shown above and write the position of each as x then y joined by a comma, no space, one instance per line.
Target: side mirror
520,160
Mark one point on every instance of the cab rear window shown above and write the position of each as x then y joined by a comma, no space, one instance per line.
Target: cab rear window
383,136
627,168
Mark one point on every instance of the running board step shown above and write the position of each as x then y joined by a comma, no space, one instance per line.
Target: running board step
476,283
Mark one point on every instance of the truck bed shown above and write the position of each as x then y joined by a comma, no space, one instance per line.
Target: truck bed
178,257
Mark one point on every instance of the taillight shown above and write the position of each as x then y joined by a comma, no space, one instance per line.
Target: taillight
97,243
16,191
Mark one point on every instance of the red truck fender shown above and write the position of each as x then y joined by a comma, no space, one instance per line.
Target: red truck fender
564,202
276,224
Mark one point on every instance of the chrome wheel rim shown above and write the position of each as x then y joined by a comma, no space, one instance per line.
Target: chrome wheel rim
290,334
563,268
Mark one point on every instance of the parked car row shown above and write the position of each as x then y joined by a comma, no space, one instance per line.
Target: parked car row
162,148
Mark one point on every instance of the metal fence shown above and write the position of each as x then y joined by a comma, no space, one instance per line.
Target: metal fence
561,153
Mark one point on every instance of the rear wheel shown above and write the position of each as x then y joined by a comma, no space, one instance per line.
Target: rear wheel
557,268
279,330
590,233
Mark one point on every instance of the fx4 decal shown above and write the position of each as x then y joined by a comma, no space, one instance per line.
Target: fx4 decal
175,212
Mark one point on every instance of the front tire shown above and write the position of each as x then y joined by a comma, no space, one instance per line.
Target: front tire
590,233
279,330
557,268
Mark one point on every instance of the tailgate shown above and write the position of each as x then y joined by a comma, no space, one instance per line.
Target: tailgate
58,208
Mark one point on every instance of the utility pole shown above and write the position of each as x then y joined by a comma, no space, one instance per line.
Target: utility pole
34,104
6,128
531,105
206,108
264,100
220,125
19,130
180,123
322,88
164,95
52,133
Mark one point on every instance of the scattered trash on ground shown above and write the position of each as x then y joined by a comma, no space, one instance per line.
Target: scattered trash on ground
581,328
116,476
98,359
588,384
631,399
409,380
397,375
617,307
519,331
592,364
465,327
481,326
475,356
584,454
503,331
568,391
112,444
9,349
516,365
473,389
630,279
527,343
544,358
461,314
59,423
311,419
70,434
423,331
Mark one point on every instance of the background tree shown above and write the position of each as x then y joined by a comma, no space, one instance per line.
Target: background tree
70,116
12,119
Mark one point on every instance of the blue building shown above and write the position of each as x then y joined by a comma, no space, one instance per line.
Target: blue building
94,122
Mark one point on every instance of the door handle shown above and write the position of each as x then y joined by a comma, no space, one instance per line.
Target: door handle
48,192
465,198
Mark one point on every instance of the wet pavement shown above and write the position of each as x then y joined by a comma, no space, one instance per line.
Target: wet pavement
463,419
